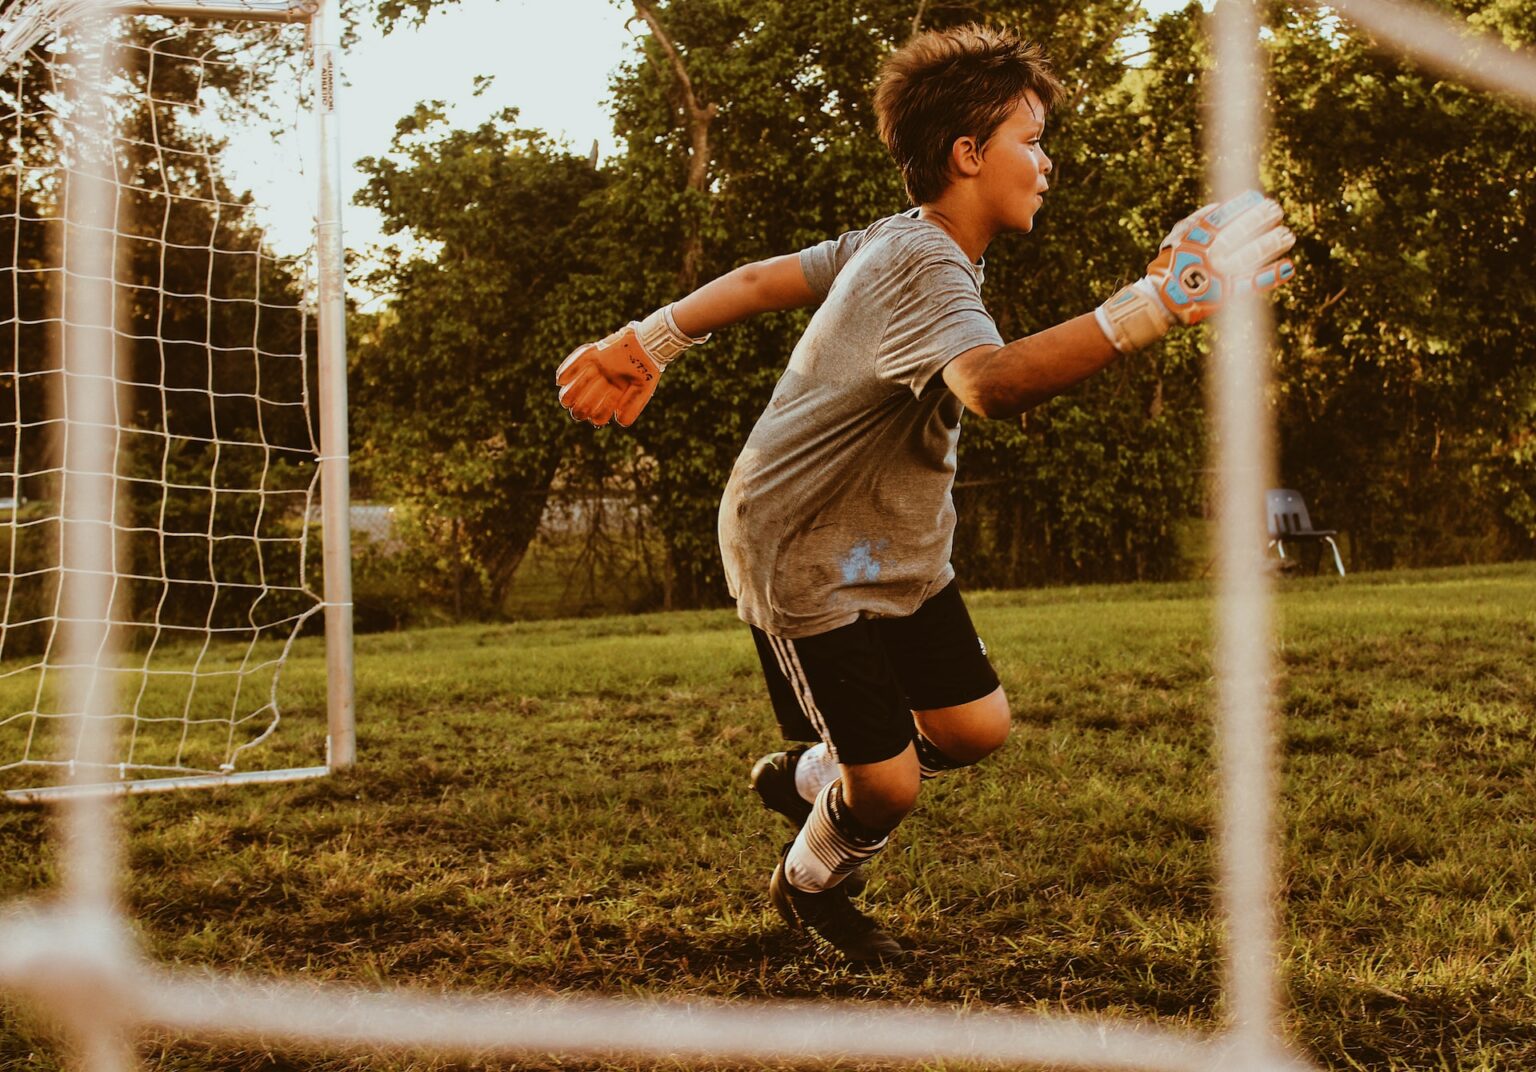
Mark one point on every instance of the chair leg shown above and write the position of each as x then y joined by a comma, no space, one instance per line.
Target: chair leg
1337,560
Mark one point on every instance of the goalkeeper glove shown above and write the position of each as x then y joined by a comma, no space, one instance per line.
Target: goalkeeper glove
1218,251
616,377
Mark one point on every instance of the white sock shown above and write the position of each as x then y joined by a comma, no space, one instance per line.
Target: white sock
830,844
815,769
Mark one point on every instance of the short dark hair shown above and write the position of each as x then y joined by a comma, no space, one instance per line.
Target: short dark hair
949,84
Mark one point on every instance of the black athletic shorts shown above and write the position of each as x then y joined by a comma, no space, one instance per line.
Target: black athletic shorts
856,687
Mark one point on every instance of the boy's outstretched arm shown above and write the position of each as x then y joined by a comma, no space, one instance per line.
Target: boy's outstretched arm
760,287
1217,251
1004,381
615,378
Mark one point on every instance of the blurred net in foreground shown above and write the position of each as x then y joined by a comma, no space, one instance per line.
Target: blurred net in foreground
74,958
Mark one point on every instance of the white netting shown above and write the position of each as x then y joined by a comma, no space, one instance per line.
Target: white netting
77,960
215,457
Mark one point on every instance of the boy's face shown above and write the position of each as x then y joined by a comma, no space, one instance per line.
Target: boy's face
1014,167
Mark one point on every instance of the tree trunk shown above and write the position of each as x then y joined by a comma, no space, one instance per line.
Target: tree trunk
696,119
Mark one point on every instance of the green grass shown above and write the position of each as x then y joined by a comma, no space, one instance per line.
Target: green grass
561,806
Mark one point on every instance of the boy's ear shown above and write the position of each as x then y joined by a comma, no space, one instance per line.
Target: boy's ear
965,156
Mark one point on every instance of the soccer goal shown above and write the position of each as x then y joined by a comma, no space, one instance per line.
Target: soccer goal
223,395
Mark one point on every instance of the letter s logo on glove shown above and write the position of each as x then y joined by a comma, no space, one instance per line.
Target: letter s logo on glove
1219,251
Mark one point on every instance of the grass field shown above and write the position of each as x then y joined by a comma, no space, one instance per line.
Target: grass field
561,806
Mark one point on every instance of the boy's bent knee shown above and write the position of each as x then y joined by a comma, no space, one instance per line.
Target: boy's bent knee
969,732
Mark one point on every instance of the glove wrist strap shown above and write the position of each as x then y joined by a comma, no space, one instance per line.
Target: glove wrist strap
661,337
1134,317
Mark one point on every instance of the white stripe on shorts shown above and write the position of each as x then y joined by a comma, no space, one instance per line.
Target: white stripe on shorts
794,673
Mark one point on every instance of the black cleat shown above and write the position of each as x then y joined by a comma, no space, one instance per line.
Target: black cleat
833,920
773,779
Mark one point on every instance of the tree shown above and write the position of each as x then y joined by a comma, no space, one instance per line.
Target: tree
748,131
1406,389
454,402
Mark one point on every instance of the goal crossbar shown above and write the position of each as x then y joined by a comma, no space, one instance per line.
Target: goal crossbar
255,10
26,22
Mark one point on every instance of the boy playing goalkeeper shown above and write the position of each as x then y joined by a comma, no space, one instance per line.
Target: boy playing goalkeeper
837,522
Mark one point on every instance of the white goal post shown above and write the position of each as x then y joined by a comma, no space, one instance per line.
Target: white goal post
222,393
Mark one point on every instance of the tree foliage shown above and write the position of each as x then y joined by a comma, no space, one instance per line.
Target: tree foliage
1404,384
455,382
797,158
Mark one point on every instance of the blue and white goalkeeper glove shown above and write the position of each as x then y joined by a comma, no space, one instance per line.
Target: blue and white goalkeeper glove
1218,251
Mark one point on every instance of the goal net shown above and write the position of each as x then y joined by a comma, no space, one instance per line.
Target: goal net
214,415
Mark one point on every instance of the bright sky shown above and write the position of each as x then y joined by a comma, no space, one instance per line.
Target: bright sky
551,59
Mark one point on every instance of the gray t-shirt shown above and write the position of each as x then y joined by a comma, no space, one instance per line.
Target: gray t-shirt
839,506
